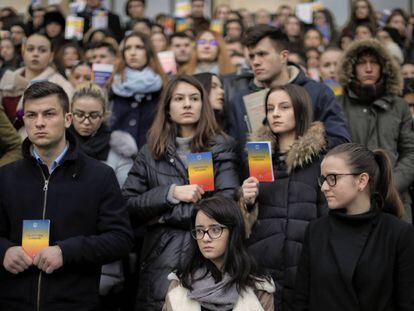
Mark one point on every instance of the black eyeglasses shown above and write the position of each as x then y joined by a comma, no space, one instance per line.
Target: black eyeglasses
80,116
332,178
214,232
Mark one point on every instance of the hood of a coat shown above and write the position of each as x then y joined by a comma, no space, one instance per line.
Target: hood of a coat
303,150
389,66
123,143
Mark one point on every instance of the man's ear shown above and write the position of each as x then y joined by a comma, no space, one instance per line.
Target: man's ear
284,55
68,119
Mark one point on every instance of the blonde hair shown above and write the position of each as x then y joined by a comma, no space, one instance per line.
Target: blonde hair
91,90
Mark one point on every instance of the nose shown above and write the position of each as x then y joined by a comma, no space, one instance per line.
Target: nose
368,66
206,237
255,61
187,102
39,121
87,121
324,186
275,113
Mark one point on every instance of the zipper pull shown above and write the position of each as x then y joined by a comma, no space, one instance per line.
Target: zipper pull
248,125
45,187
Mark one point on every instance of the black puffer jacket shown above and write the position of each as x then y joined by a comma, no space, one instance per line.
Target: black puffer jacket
167,226
285,207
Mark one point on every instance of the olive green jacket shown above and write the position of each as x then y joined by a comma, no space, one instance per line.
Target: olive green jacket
10,142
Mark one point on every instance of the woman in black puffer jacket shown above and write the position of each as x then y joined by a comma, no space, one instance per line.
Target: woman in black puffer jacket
277,213
158,191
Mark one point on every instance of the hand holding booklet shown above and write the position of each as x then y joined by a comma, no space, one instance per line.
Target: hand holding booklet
260,160
35,236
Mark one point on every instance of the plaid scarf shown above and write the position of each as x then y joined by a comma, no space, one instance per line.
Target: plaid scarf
368,92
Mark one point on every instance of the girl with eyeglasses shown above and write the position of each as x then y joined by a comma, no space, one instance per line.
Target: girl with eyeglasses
360,256
278,212
209,55
117,148
219,273
135,87
159,195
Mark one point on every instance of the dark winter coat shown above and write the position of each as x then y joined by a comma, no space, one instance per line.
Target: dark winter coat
359,262
167,226
285,207
325,107
88,220
385,122
132,116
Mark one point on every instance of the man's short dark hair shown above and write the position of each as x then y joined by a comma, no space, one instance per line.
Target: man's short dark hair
179,34
45,88
107,45
256,33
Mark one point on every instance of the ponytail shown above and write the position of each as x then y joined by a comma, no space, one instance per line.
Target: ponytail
377,165
385,187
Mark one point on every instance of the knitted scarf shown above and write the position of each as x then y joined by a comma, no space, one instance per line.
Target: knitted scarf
136,83
211,295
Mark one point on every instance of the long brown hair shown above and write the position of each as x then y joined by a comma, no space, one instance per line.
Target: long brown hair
353,21
152,58
223,59
164,131
378,166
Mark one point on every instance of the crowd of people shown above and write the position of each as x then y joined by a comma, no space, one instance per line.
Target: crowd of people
106,166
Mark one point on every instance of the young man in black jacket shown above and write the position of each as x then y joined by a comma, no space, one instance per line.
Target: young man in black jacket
81,199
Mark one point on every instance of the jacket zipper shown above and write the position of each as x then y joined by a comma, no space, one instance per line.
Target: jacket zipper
248,125
45,189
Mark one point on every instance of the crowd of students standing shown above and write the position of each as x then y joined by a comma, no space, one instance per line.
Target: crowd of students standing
333,231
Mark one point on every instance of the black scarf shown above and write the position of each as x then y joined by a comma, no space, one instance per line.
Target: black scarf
368,92
96,145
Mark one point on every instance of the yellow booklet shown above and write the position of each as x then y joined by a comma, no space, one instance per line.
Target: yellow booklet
35,236
200,170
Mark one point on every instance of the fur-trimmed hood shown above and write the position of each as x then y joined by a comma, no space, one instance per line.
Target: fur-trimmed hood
123,143
303,150
390,68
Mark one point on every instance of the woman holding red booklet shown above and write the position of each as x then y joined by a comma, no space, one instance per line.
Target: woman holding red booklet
157,189
277,213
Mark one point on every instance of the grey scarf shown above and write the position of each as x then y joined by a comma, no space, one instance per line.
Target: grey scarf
211,295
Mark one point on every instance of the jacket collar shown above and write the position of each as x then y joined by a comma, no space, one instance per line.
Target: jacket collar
383,102
71,155
303,150
295,75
